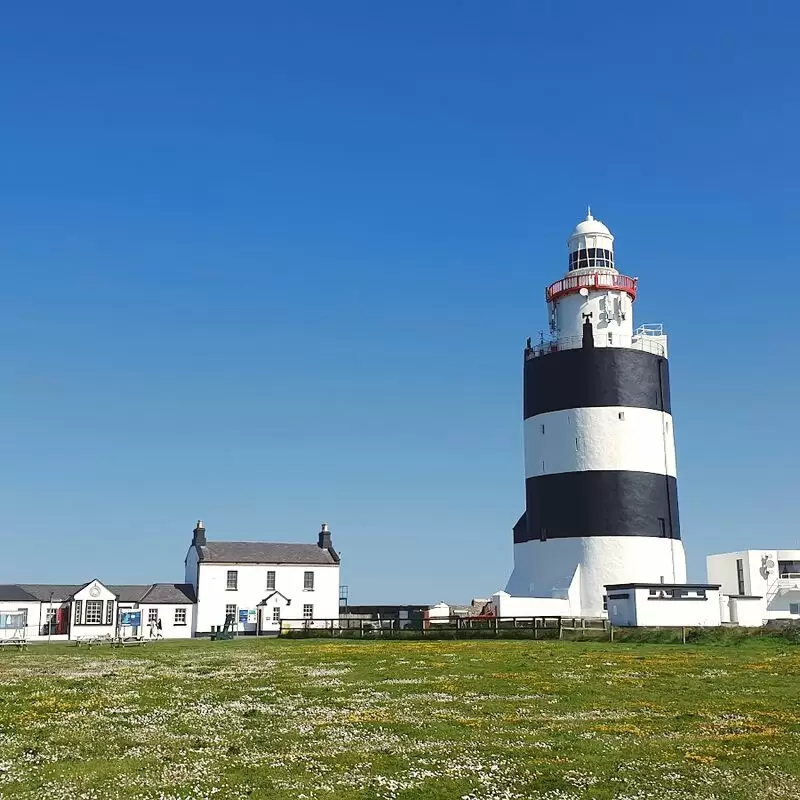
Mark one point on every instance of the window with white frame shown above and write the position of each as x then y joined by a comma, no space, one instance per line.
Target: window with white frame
276,614
110,612
94,612
232,582
230,610
271,579
78,610
24,613
308,581
152,616
180,616
308,611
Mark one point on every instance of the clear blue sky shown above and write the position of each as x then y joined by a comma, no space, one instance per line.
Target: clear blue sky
270,264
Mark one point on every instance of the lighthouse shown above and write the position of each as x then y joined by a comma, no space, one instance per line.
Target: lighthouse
601,502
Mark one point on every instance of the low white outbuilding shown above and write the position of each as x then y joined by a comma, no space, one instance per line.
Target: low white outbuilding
663,604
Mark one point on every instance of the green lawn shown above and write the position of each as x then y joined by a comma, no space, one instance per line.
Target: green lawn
482,720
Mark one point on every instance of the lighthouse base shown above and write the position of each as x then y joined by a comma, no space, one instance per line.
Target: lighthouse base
574,571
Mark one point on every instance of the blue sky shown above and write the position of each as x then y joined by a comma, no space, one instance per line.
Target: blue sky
274,263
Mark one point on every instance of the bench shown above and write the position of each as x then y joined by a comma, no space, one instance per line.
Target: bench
90,640
14,641
127,641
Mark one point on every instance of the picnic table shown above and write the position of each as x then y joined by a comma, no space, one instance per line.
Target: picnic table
20,642
90,640
127,641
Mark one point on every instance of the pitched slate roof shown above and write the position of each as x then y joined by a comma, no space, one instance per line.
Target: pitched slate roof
15,594
126,593
264,553
129,593
170,593
60,591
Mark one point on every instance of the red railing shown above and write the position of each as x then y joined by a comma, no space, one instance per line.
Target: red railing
595,280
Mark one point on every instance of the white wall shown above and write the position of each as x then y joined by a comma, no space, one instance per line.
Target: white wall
613,438
34,620
190,571
622,607
166,613
269,625
93,591
605,306
505,605
550,568
213,596
746,611
677,612
778,594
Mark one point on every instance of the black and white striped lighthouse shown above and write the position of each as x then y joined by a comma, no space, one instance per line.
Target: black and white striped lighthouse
600,477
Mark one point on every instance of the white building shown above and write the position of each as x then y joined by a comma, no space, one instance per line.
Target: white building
263,586
664,605
260,587
772,577
59,612
600,469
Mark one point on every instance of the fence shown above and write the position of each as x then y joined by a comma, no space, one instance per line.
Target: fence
450,628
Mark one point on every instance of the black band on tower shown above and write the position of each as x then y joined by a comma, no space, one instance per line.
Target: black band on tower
597,376
600,503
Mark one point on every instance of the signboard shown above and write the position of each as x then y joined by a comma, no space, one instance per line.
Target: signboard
133,618
13,620
243,612
251,615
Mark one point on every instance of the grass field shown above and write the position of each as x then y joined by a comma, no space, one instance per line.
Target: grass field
473,720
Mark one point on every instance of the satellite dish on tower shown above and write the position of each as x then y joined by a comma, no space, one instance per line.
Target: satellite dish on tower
584,292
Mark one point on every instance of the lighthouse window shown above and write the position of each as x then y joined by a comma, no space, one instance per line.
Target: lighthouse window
662,526
622,415
543,534
542,428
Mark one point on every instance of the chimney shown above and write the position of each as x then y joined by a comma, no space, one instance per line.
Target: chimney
199,537
325,537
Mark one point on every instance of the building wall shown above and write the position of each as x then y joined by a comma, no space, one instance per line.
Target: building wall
779,595
622,608
213,595
35,618
505,605
190,570
746,611
94,592
166,613
684,612
550,568
607,308
642,609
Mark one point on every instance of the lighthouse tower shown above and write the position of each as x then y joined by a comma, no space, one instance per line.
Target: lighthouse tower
600,478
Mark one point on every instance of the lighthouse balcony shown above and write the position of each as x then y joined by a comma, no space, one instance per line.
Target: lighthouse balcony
648,338
592,281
